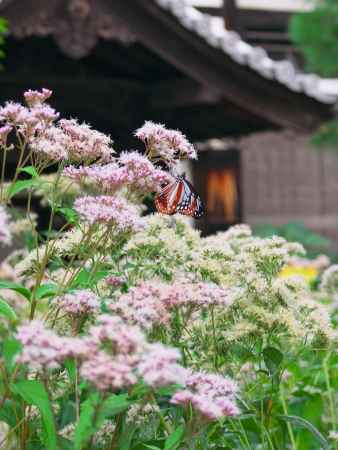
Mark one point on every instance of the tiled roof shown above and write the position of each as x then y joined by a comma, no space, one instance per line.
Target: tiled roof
212,30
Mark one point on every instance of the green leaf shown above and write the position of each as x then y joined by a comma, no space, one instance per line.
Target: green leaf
113,405
7,412
94,413
6,310
46,290
30,170
10,349
21,185
152,447
17,288
273,359
175,438
65,444
126,437
81,279
69,213
34,393
85,427
296,420
71,369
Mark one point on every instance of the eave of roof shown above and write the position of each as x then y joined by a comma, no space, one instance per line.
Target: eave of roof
323,90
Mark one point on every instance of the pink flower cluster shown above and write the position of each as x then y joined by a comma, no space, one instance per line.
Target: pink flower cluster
107,373
168,145
115,356
131,170
114,281
211,395
198,295
51,144
149,303
65,140
42,348
79,303
113,365
113,211
84,143
35,97
142,305
4,132
5,234
29,122
159,366
117,336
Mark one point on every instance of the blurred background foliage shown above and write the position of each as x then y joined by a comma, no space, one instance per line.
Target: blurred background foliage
3,30
314,243
315,35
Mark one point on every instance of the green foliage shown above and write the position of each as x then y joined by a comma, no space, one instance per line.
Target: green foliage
314,243
301,422
94,411
34,393
6,310
3,31
315,35
174,440
17,288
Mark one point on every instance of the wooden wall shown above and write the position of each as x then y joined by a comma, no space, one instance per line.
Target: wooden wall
285,179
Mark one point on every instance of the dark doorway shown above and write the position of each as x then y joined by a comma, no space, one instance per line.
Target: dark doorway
217,178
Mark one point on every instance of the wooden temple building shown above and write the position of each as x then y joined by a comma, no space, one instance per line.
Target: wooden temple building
223,72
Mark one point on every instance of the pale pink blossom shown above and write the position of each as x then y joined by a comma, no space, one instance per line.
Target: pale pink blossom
118,348
44,113
13,113
150,302
131,170
85,144
169,145
211,395
51,144
76,173
113,211
4,132
159,366
117,336
107,373
42,348
140,174
37,97
78,303
142,305
114,281
5,233
197,295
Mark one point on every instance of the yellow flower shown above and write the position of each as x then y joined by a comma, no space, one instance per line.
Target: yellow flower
308,273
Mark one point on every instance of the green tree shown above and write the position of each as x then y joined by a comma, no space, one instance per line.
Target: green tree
3,30
315,34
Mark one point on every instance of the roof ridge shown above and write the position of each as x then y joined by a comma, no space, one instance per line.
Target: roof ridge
230,42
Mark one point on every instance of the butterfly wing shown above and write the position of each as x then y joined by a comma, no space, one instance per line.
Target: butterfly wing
179,196
166,201
190,203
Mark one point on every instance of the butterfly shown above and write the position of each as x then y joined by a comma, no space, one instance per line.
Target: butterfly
179,197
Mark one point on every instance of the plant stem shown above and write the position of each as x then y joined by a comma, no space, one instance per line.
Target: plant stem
330,394
289,427
214,338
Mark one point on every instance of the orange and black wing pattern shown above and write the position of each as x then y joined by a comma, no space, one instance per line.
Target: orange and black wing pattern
179,197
